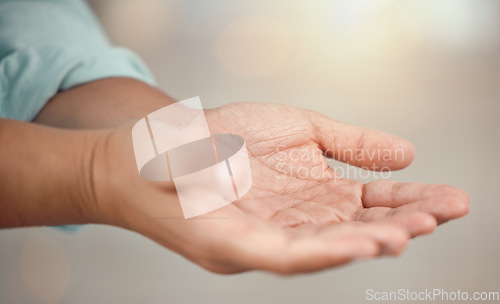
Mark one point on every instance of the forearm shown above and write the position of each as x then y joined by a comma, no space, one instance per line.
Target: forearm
45,175
102,103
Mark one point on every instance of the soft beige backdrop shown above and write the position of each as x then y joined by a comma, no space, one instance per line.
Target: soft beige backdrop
424,70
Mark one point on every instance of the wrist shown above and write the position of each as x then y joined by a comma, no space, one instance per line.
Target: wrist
121,195
87,202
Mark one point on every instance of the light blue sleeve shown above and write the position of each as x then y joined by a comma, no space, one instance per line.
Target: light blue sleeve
48,46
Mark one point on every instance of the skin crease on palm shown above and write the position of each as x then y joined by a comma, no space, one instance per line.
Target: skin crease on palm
287,223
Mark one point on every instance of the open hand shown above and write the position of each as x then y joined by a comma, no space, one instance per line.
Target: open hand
299,216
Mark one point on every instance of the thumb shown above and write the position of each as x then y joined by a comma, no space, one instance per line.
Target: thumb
362,147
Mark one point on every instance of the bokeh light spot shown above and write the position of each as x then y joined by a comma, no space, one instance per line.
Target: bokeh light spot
45,267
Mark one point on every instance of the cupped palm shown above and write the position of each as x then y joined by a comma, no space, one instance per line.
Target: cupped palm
299,216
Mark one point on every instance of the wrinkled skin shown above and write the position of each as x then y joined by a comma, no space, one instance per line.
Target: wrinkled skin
290,221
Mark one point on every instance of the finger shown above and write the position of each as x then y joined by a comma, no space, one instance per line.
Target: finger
343,243
314,248
416,223
391,238
386,193
362,147
308,256
442,209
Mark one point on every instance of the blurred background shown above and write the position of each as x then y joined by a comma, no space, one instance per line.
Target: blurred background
424,70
